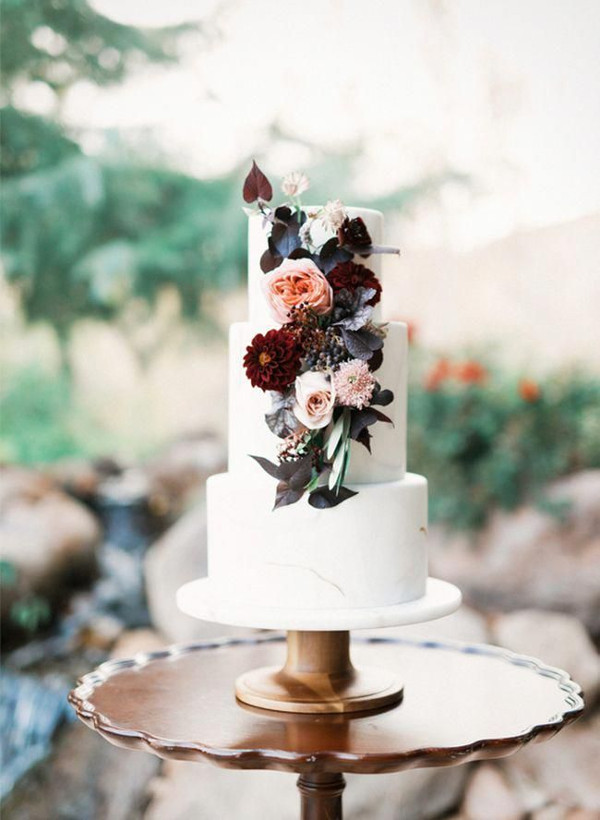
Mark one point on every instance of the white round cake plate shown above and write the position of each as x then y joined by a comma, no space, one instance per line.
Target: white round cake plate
201,600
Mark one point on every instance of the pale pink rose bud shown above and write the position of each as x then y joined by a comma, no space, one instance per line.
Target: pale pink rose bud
296,282
315,399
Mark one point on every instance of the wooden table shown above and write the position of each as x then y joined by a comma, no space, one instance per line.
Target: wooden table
460,703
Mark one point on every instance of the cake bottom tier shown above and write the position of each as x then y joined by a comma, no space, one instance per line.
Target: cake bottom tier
369,551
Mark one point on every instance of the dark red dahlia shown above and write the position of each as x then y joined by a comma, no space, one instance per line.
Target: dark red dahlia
354,232
272,361
349,276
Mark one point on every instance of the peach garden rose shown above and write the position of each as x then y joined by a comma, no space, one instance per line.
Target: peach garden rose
315,398
296,282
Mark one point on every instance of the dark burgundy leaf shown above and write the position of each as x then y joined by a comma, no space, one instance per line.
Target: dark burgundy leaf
283,213
356,347
301,476
284,238
382,397
372,340
268,466
287,469
364,437
257,186
382,416
323,498
281,420
269,261
376,360
360,420
361,343
285,495
329,248
331,255
301,253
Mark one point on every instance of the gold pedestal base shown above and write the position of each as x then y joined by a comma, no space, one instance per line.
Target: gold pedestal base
319,677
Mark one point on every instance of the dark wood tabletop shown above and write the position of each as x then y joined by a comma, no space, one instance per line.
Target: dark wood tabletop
461,702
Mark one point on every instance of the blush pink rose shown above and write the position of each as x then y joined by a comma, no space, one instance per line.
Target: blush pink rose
315,399
296,282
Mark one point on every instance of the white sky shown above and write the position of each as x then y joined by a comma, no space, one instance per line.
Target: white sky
505,90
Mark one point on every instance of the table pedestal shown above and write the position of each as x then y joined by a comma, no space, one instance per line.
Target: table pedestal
319,677
321,796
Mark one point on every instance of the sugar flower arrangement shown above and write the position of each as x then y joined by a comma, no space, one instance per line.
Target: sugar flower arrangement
319,364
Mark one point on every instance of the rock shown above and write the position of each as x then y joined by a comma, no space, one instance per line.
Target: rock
101,632
177,557
21,483
85,778
529,558
557,639
51,540
556,812
551,812
530,795
489,797
134,641
82,477
204,792
178,474
48,539
417,794
566,768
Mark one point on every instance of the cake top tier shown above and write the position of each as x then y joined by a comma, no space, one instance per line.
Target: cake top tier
260,228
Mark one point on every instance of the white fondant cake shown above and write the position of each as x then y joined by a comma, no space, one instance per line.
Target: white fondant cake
369,551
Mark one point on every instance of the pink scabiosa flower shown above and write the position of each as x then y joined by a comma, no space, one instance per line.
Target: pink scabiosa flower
354,384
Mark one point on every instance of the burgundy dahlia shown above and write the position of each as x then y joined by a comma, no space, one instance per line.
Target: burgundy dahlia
349,276
272,361
354,232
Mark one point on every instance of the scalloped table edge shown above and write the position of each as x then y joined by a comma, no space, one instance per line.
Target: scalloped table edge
321,761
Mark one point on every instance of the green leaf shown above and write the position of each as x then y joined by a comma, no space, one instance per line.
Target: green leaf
336,435
340,464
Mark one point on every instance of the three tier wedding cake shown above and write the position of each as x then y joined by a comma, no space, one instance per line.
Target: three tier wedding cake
316,510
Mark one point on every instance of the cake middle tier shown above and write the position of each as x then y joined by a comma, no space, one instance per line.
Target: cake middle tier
370,551
250,435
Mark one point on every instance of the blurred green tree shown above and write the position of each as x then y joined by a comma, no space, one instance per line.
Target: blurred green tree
60,42
82,236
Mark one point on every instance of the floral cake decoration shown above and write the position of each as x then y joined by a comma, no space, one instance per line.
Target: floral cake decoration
320,363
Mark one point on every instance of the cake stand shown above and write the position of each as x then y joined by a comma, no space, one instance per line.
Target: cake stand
318,675
463,702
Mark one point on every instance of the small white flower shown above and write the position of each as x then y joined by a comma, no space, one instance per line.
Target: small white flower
295,183
332,215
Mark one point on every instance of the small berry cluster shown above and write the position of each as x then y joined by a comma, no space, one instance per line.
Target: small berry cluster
328,353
